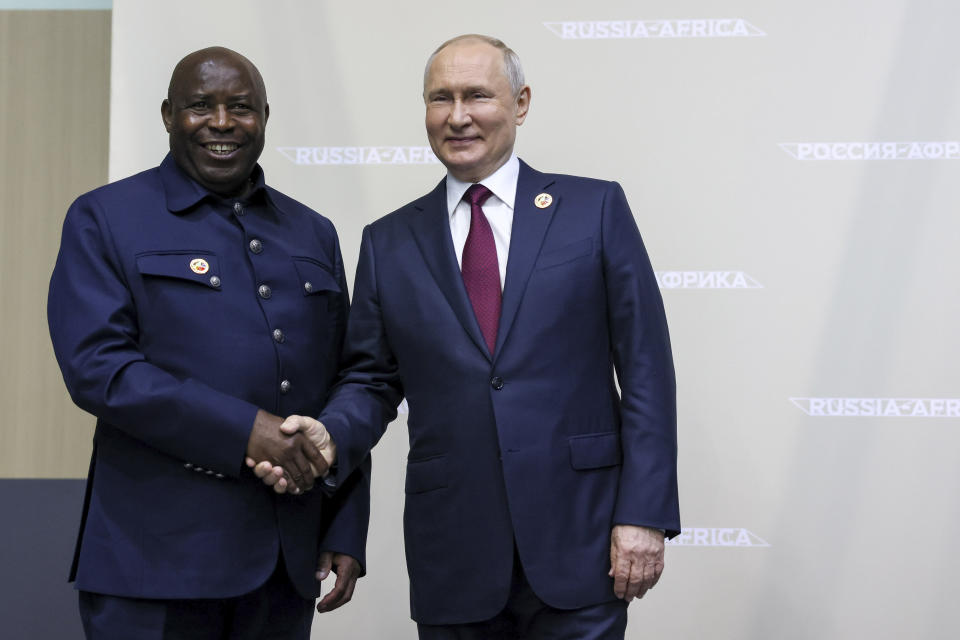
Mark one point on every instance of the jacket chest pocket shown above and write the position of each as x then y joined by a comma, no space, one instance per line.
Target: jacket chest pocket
180,292
320,290
569,253
315,277
198,267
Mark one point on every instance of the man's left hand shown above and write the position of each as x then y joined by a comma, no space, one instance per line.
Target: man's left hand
347,569
636,560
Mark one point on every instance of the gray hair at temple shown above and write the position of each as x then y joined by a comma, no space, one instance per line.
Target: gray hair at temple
511,61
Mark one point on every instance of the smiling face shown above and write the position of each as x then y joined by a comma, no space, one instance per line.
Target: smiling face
216,114
472,113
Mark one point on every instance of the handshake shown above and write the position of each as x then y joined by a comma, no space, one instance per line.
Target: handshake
289,455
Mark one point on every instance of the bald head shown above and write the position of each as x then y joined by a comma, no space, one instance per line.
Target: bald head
216,113
210,56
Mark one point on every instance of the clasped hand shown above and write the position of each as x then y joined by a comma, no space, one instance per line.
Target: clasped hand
289,454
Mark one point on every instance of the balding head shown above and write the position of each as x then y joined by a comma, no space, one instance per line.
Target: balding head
511,61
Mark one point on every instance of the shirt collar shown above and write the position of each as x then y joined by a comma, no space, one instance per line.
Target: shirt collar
183,192
502,182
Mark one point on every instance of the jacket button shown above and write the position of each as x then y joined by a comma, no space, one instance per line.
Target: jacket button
238,208
278,335
256,246
285,386
215,281
264,291
497,383
308,286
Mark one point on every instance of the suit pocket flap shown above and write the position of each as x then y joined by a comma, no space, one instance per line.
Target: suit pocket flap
426,475
315,277
196,266
566,253
595,450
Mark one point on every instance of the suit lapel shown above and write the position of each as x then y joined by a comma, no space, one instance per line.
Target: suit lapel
431,230
530,225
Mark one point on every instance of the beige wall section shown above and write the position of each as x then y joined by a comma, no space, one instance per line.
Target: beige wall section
54,97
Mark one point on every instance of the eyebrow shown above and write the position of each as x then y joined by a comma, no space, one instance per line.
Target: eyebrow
247,97
461,90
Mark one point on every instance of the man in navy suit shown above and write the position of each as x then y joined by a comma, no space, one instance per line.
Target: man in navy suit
190,307
538,494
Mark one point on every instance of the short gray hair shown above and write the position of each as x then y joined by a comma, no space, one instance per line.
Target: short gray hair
511,61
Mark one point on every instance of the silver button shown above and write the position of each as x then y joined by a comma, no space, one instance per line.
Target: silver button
264,291
187,465
209,472
256,246
278,335
198,469
285,386
215,281
238,208
308,286
219,476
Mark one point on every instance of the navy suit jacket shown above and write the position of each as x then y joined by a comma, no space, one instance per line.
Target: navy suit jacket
532,445
174,362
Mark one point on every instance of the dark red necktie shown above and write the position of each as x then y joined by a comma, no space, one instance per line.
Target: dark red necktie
479,267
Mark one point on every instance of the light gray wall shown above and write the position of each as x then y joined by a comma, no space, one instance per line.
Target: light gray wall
842,270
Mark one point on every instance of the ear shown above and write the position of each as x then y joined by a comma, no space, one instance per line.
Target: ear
266,113
166,113
523,105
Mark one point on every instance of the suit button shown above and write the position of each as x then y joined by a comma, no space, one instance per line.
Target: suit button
278,335
497,383
187,465
215,281
308,286
238,208
256,246
285,387
264,291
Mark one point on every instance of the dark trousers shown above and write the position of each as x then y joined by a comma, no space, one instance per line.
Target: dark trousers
274,611
527,617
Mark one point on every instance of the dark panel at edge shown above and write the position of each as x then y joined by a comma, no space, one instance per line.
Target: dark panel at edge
36,546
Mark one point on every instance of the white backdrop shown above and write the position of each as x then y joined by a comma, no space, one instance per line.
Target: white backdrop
792,167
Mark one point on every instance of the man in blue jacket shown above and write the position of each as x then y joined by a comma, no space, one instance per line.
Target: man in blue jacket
190,307
518,314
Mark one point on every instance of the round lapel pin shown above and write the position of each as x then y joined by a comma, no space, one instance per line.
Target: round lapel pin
199,265
543,200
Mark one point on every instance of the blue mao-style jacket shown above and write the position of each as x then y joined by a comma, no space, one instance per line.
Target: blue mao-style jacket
174,316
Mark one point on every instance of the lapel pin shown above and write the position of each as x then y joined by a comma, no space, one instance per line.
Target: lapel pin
543,200
199,265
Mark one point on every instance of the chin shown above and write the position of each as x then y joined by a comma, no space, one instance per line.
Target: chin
461,165
222,185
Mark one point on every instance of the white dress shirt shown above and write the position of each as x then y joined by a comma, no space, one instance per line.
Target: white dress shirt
498,209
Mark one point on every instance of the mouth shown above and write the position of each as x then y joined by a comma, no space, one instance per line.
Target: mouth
221,148
459,141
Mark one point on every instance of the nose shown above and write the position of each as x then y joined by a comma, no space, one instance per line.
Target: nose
220,118
459,116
